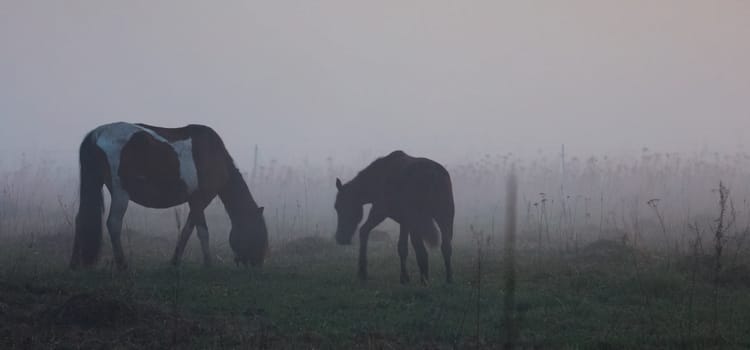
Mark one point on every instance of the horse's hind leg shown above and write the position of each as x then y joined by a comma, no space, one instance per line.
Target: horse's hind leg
200,224
403,252
421,252
446,231
117,210
187,230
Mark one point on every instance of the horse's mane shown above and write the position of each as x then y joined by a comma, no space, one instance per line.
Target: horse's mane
377,163
236,191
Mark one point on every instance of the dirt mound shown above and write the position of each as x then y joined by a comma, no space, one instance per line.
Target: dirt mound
90,310
605,250
310,245
37,317
380,236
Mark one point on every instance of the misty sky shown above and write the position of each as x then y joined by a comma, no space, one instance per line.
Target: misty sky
444,79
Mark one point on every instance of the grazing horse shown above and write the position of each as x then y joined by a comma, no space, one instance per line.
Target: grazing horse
161,168
415,192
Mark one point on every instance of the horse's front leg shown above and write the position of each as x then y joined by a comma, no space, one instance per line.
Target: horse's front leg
373,219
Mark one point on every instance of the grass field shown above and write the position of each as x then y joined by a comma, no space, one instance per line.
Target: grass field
606,295
627,260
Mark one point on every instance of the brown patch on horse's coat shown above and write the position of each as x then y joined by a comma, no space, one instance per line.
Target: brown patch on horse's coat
150,172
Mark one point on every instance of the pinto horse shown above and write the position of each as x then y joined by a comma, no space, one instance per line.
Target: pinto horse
161,168
415,192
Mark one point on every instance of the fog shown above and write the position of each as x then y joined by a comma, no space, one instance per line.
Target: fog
330,78
649,98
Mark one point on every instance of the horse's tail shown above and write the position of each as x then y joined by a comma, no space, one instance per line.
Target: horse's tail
430,233
446,211
88,235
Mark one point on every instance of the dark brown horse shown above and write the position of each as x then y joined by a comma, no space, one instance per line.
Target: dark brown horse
160,168
415,192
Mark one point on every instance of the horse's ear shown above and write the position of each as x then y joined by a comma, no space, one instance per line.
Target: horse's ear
260,210
339,186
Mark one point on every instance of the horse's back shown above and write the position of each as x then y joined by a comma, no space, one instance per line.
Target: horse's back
417,172
419,185
121,132
193,131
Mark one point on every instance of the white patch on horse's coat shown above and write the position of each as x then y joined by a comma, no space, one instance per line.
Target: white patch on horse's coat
111,138
188,172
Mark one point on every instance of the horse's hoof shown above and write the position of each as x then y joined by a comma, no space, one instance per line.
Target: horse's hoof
405,279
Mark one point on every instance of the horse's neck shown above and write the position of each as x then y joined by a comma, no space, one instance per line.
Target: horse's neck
368,186
236,197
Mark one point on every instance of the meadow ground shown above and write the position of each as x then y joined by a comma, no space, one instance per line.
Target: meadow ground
605,295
